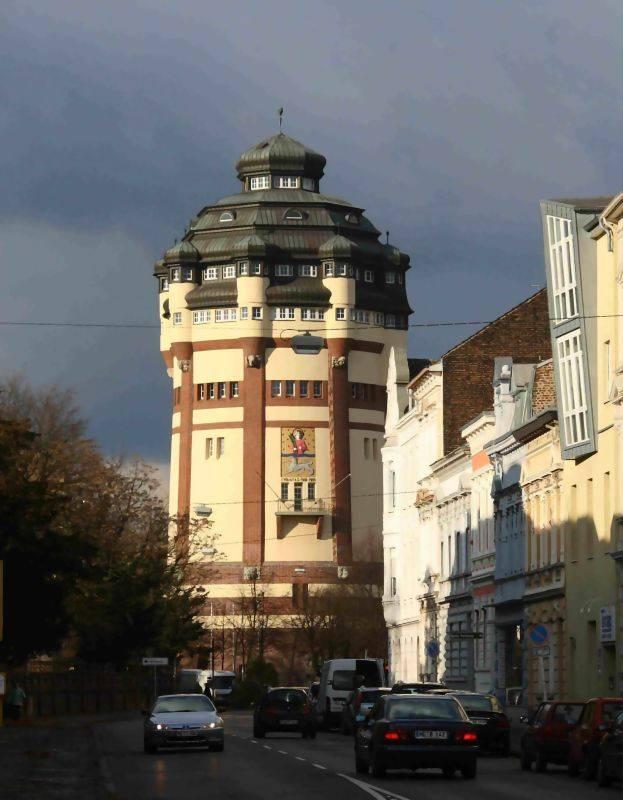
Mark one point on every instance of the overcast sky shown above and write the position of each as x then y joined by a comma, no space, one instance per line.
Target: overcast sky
447,121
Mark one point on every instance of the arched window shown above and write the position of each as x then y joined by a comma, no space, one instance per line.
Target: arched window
227,216
294,214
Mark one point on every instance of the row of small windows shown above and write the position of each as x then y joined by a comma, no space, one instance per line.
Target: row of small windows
363,391
291,388
258,182
298,493
370,448
220,390
215,447
244,268
285,313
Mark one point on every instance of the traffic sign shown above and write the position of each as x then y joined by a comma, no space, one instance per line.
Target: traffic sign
155,662
539,634
541,652
432,648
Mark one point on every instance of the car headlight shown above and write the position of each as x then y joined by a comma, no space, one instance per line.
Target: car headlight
217,724
160,727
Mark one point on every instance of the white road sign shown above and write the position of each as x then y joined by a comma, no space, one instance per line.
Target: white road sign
155,662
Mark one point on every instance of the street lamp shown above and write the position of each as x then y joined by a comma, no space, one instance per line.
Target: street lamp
307,345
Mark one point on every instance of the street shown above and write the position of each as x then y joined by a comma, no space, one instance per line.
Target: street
286,766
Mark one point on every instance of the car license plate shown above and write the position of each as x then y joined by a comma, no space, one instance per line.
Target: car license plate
431,734
289,722
479,721
186,734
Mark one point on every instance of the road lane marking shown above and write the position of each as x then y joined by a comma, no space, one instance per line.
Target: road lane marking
298,758
374,791
318,766
252,741
283,752
267,747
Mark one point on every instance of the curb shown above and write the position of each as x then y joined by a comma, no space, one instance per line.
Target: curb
107,783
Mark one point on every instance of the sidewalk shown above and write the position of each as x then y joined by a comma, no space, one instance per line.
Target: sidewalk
53,759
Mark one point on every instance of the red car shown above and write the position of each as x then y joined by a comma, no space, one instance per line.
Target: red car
546,739
597,719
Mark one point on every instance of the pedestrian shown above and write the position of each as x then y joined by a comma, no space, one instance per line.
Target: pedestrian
208,691
15,701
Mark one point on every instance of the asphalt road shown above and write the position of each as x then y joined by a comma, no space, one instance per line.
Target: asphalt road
281,767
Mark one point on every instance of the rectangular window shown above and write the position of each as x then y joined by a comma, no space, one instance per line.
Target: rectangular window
201,391
256,268
210,273
368,276
244,313
221,389
562,267
284,270
256,312
317,388
275,388
392,489
289,388
284,313
225,314
312,313
187,273
298,496
177,318
607,370
375,450
229,272
164,284
220,446
287,182
201,317
243,268
211,391
390,276
308,184
259,182
357,315
341,270
340,313
175,274
233,389
308,270
209,447
284,491
303,388
218,315
379,318
354,390
311,491
328,269
573,391
390,320
366,447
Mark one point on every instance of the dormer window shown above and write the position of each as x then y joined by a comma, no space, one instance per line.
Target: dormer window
187,274
243,268
390,320
352,218
284,270
342,270
368,276
256,268
308,270
287,182
293,214
309,184
210,274
164,284
175,274
259,182
229,271
227,216
390,276
329,268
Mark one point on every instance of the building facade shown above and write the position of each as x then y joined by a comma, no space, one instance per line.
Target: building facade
281,450
437,502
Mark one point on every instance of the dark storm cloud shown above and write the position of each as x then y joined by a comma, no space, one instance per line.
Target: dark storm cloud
120,120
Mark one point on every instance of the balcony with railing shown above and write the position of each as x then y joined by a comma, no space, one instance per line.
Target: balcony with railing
316,509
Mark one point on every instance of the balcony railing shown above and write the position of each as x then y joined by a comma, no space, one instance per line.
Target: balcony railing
303,506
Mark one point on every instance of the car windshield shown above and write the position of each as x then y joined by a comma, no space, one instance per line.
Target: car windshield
478,702
371,695
344,679
222,681
282,698
425,708
610,711
170,705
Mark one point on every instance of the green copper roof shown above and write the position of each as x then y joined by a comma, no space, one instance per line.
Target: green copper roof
182,251
280,153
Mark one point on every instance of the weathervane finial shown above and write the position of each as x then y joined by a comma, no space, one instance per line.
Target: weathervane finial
280,112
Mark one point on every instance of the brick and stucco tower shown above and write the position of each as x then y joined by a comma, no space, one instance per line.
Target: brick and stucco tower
281,451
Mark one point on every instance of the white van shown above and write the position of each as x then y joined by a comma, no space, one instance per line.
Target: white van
222,684
338,678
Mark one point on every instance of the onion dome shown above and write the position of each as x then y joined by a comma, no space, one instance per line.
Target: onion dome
250,246
299,292
395,256
214,294
338,247
281,154
182,252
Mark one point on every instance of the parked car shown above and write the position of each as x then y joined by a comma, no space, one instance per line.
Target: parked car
610,766
492,725
357,707
182,720
420,687
546,739
284,709
415,731
341,676
597,718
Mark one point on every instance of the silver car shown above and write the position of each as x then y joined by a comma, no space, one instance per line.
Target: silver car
183,720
